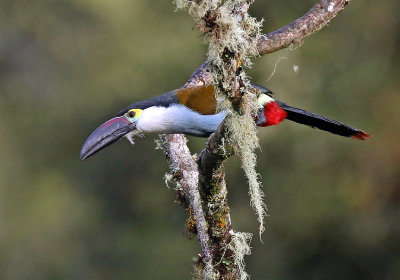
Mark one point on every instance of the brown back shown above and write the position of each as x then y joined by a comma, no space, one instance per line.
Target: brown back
200,99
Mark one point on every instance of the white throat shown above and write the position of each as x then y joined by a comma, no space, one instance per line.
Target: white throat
178,119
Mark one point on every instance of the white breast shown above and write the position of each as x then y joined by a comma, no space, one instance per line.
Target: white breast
178,119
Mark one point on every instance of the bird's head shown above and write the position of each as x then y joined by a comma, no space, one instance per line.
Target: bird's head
110,131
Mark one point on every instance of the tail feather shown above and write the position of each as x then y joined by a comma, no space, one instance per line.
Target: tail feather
323,123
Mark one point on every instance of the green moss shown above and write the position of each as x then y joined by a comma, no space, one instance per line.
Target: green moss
215,190
227,261
191,222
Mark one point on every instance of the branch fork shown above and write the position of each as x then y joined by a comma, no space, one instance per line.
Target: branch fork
203,181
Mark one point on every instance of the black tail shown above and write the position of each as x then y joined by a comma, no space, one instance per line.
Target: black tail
323,123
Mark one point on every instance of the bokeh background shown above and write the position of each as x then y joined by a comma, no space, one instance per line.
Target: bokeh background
68,65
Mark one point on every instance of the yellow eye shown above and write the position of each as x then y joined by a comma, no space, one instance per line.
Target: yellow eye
133,113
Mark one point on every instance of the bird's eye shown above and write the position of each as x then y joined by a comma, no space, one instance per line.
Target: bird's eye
131,114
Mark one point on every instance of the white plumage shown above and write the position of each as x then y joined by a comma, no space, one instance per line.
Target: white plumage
178,119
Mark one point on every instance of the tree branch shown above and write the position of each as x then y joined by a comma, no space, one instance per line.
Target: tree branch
204,182
184,170
215,153
316,18
215,195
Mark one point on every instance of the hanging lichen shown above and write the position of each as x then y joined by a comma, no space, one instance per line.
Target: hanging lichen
233,36
240,247
232,40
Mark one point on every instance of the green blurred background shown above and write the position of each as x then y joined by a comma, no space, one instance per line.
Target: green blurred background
68,65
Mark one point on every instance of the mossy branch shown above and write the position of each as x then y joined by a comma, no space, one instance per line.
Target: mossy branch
184,171
204,183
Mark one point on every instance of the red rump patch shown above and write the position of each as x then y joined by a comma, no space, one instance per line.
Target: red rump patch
273,114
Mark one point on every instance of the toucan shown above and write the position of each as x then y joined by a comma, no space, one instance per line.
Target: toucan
192,111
